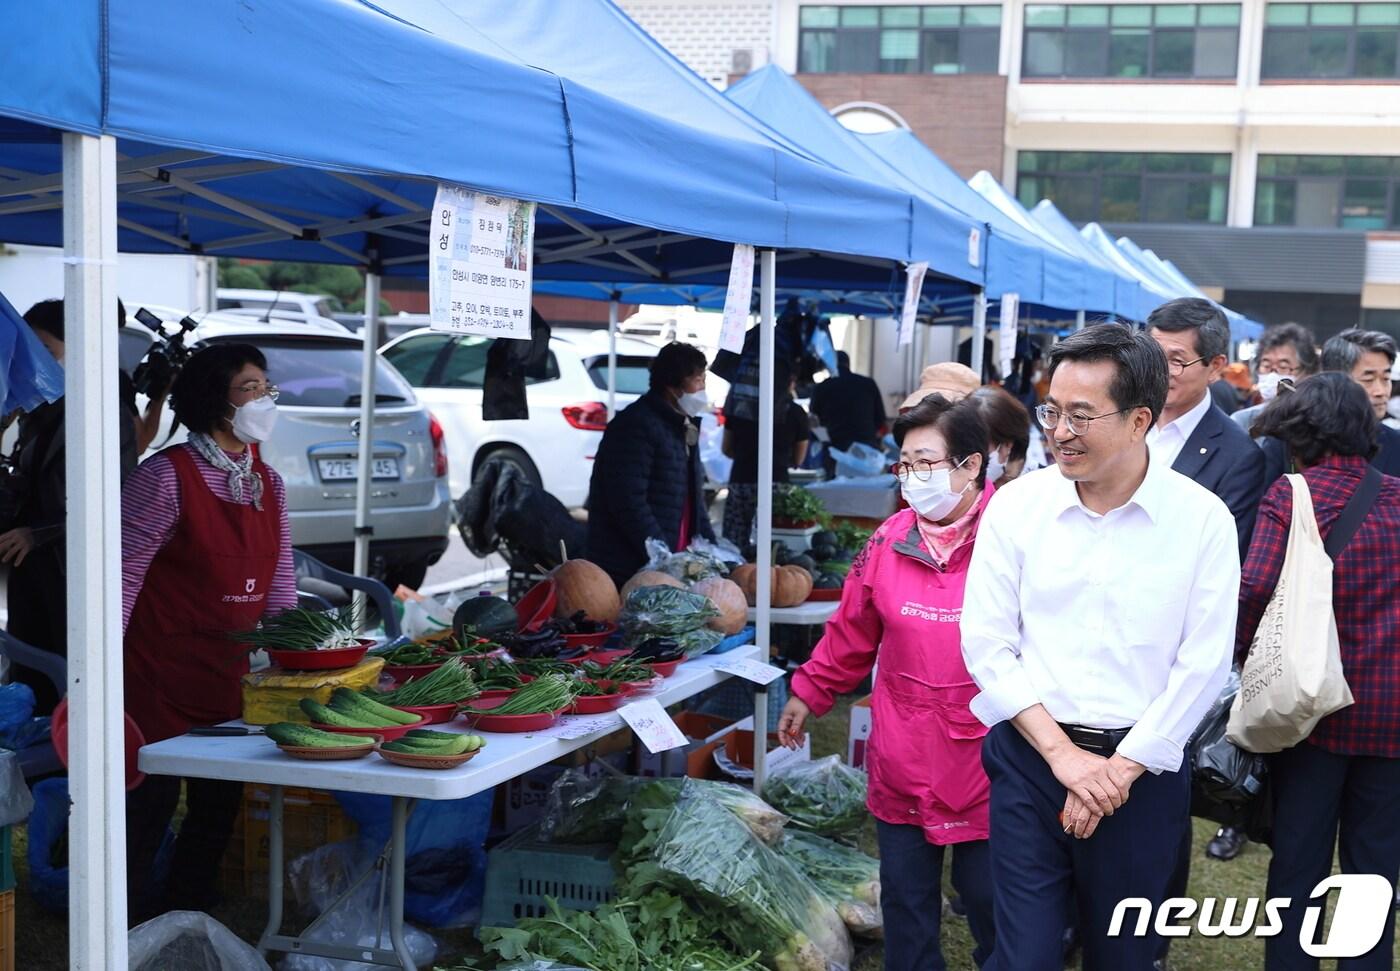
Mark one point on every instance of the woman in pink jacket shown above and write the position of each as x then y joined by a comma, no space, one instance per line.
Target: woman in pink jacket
901,606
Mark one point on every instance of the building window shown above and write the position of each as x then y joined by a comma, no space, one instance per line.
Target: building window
1176,40
899,40
1331,40
1127,187
1347,192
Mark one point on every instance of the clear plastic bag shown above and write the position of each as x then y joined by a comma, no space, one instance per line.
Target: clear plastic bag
860,461
593,809
700,641
826,796
318,878
190,941
664,612
692,565
703,852
16,801
846,877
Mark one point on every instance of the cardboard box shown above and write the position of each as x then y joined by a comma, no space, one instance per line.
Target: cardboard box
858,737
738,748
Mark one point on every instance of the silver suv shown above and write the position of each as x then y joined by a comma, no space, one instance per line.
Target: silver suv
315,448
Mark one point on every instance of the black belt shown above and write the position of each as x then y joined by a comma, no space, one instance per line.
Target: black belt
1103,741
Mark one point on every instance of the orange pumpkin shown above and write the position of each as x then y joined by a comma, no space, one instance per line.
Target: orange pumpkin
585,586
729,600
649,578
794,586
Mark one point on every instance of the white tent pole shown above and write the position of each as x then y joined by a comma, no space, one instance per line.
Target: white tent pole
365,479
767,323
1079,321
979,331
96,749
612,358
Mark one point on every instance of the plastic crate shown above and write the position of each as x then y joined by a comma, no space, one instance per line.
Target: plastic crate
7,931
310,819
522,871
7,865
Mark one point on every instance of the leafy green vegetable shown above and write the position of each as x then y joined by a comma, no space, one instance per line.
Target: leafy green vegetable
792,503
300,629
450,683
846,877
826,796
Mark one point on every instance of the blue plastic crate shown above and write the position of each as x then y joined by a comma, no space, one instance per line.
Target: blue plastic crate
7,865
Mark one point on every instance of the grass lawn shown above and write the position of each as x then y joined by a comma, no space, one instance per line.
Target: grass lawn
42,938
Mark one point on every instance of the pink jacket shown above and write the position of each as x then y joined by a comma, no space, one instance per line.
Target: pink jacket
925,753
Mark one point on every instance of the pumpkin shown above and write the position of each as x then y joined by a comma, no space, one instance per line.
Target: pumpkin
793,587
585,586
650,578
729,600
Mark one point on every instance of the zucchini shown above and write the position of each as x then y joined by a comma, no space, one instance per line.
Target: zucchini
354,704
289,733
321,715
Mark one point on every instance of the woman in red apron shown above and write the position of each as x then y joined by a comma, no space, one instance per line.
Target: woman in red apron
206,550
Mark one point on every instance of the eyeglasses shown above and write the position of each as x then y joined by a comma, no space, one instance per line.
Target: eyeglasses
1176,368
257,390
1050,416
921,469
1285,370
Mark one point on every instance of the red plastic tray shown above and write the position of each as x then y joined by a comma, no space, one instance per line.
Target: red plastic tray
537,606
488,722
597,704
340,657
824,595
666,668
384,734
403,672
608,657
590,640
432,714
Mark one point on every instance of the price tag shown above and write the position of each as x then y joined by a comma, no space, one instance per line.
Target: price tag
579,727
751,670
652,725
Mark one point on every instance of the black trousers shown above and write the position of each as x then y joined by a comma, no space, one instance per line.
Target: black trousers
1325,801
37,597
211,809
911,896
1041,873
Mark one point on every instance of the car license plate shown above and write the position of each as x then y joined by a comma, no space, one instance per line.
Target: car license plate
339,470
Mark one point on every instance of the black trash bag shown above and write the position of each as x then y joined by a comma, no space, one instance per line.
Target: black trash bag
505,512
1228,784
508,362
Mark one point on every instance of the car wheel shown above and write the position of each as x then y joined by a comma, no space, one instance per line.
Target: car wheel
516,457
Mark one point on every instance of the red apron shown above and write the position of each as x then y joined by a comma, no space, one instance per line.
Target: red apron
212,577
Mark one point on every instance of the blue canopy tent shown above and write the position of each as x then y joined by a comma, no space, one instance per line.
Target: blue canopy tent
317,130
1133,302
30,376
1241,327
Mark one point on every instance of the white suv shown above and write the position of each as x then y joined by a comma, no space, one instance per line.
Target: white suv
567,397
315,448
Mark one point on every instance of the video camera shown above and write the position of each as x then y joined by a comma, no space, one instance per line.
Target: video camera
167,354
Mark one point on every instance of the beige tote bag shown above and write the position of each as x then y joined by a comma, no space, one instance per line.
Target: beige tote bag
1293,676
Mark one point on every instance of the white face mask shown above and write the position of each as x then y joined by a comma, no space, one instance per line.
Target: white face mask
934,499
694,403
1268,385
996,468
253,422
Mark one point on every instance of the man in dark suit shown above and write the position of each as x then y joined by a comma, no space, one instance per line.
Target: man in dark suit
1368,356
1193,435
1204,444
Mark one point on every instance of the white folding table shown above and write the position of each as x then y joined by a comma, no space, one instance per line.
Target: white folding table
811,613
254,758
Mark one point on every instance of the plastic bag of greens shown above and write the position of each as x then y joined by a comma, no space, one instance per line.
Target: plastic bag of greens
759,900
845,876
581,809
697,563
190,941
664,611
826,796
700,641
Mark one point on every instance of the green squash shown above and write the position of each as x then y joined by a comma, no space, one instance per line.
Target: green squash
489,617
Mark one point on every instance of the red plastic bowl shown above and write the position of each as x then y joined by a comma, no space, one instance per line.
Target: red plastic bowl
666,668
590,640
403,672
58,732
608,657
384,734
432,714
819,596
339,657
597,704
537,606
487,722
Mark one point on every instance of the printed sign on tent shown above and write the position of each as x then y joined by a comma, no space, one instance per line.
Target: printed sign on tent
738,300
913,285
482,252
1006,334
974,246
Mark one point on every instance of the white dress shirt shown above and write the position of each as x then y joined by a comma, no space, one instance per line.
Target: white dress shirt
1166,442
1108,621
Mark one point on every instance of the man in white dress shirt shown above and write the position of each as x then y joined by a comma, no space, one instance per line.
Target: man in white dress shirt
1099,623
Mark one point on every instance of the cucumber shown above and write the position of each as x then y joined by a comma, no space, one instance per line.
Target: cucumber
352,703
289,733
321,715
428,733
462,745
